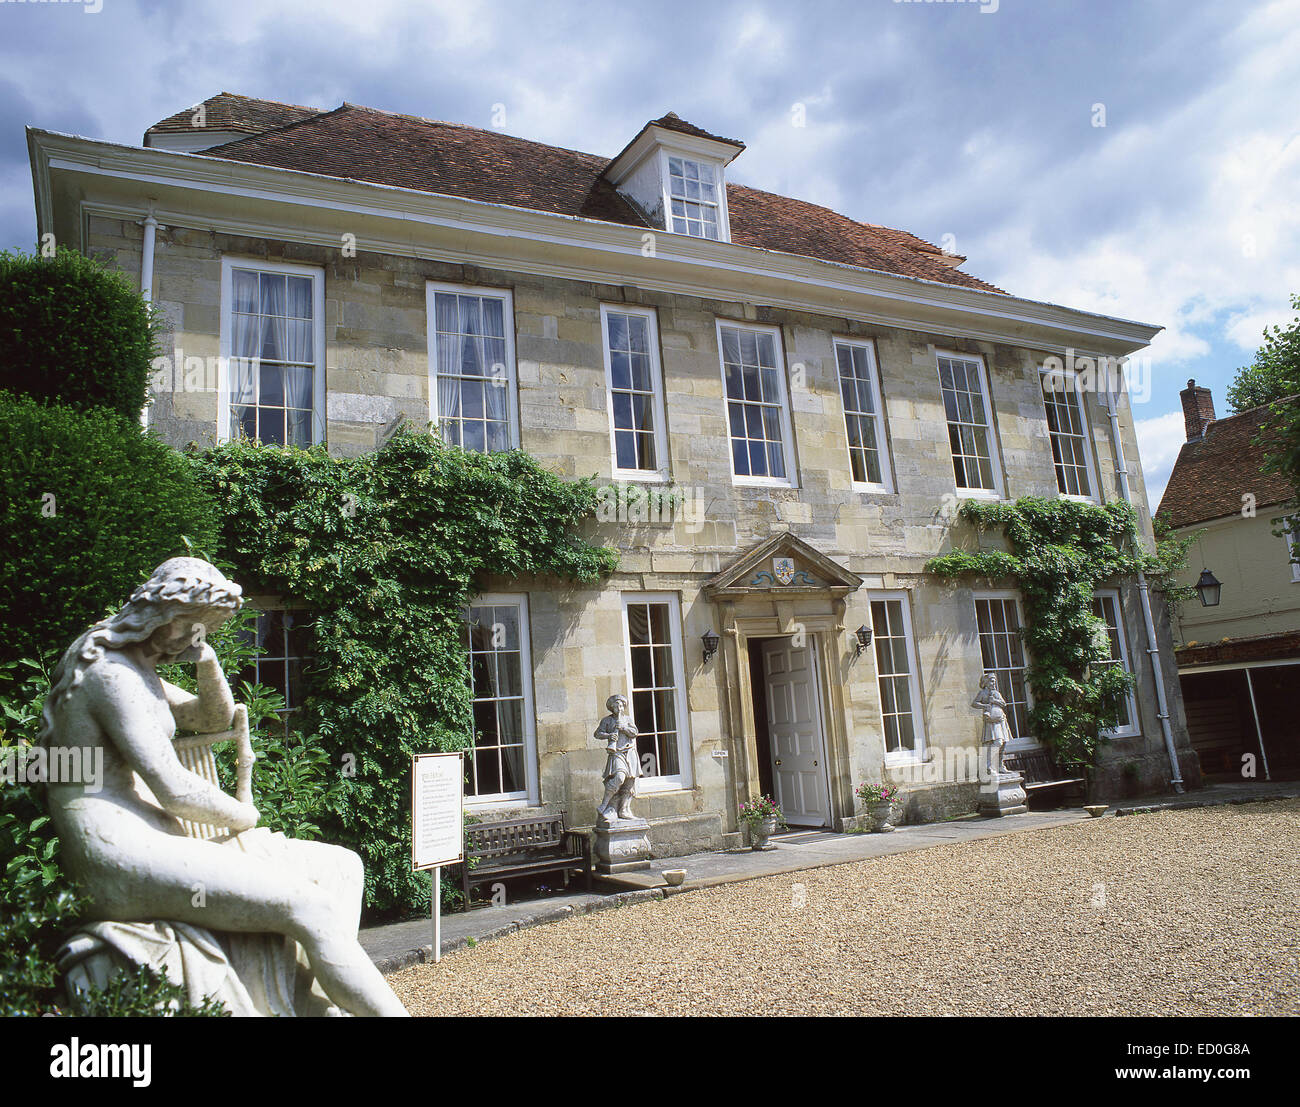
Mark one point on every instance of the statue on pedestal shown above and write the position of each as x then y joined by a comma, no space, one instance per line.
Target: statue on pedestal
1001,791
623,763
176,873
621,841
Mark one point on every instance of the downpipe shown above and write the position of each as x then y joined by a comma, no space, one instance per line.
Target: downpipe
1144,596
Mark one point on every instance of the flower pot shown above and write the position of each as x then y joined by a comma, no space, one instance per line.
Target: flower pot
879,813
760,830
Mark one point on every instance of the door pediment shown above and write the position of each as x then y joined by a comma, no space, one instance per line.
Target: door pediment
783,564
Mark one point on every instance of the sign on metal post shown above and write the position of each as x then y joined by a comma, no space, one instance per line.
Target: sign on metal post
437,802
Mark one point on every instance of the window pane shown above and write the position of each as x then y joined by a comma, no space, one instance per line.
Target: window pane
968,423
653,684
495,667
1002,654
273,356
632,389
1068,435
895,674
475,370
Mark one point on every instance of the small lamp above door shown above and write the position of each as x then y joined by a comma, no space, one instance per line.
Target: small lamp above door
863,636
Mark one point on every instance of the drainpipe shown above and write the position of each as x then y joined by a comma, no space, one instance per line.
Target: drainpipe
1153,644
146,279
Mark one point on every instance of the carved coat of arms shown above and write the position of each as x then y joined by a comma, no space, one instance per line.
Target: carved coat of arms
783,568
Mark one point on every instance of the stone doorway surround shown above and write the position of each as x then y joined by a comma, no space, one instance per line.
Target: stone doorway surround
777,588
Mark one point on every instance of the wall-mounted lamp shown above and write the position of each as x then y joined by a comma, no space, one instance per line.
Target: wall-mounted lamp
863,635
1208,588
710,641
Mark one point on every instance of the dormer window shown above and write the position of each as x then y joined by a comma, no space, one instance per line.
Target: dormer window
693,196
673,173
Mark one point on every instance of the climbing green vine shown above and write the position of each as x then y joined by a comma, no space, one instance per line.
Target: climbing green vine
1058,553
384,551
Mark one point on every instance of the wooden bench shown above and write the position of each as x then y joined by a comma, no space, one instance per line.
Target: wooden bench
523,847
1041,773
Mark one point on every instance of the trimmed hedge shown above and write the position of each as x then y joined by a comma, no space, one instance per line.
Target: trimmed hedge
73,332
89,506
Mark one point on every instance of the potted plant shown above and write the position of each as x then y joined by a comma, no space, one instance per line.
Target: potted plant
879,800
763,815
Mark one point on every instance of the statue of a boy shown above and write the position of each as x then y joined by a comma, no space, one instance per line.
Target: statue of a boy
622,765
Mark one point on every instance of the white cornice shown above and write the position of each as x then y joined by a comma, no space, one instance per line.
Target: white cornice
291,205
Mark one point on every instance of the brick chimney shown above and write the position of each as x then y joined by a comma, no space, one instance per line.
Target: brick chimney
1198,410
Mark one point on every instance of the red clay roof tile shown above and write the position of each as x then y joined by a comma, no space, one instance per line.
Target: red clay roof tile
1211,476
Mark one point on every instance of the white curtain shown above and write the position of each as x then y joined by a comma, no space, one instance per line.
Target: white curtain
298,339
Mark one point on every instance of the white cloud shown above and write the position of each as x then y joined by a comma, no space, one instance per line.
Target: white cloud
1217,253
1159,440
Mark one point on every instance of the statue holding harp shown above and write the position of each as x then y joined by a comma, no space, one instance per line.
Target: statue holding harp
177,873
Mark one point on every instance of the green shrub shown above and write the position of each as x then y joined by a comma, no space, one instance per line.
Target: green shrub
74,332
89,506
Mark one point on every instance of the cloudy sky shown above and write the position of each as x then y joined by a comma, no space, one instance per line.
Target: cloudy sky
978,121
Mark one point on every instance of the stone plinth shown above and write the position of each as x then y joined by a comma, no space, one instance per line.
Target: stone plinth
1004,794
623,846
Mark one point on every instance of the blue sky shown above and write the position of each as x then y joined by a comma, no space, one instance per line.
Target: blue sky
970,120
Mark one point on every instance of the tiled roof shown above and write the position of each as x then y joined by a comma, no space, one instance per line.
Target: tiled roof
228,112
1211,476
452,159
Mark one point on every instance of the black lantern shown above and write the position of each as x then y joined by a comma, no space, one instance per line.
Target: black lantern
863,635
710,641
1208,588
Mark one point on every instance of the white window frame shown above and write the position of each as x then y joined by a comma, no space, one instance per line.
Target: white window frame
992,425
531,795
720,183
918,754
660,474
1126,661
293,705
231,262
1289,539
1029,742
886,482
790,480
512,370
1070,379
683,780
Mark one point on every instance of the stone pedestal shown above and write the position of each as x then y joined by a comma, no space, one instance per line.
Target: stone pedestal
1004,794
622,847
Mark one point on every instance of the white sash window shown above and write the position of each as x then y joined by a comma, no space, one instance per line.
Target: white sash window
272,384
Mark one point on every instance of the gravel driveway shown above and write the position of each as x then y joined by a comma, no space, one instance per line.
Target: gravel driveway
1193,912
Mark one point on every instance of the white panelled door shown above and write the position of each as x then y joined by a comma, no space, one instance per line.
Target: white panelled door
794,727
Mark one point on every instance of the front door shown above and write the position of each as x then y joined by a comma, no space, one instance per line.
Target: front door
795,733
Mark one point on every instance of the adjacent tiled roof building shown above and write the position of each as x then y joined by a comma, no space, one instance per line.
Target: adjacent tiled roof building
359,143
1213,472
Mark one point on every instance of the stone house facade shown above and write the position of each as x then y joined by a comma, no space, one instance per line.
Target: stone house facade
797,401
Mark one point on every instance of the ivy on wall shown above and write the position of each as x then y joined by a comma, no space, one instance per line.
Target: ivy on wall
1059,552
385,550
